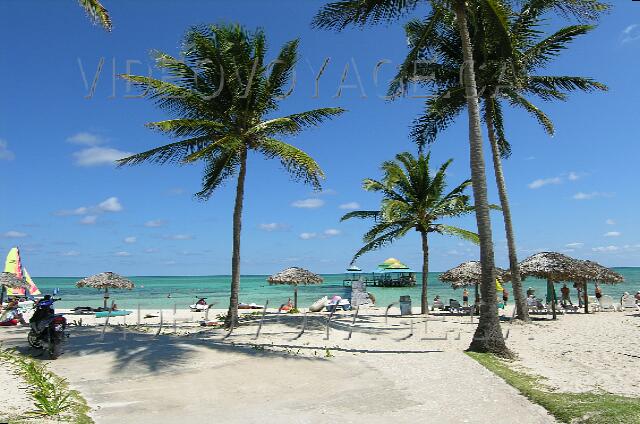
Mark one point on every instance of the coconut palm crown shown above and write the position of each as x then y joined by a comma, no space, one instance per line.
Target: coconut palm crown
413,199
222,96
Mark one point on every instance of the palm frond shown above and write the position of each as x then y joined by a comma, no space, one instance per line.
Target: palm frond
97,13
296,162
458,232
338,15
361,215
170,153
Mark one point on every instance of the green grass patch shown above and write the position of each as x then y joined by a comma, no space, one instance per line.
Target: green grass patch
574,408
51,395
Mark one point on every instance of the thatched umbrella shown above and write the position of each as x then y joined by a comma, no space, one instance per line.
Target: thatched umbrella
106,281
467,274
555,267
10,280
599,274
295,276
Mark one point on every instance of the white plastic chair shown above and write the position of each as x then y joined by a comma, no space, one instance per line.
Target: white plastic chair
607,304
629,303
594,305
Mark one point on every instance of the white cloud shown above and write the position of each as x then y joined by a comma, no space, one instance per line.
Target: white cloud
574,245
331,232
573,176
122,254
179,237
154,223
130,239
541,182
85,138
70,253
96,156
350,206
89,220
606,249
14,234
176,191
589,196
69,212
112,204
308,236
308,203
613,234
610,221
5,153
273,226
631,33
150,250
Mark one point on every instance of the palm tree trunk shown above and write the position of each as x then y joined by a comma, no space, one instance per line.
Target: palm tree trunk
522,311
488,336
424,304
232,315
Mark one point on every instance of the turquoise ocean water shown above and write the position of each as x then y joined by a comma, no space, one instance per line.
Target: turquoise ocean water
153,292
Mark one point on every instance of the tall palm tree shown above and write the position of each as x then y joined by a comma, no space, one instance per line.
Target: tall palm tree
413,199
337,15
222,95
97,13
504,74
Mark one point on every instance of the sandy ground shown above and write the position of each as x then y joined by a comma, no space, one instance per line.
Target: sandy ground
399,369
15,399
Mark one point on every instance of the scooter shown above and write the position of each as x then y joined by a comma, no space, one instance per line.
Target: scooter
47,328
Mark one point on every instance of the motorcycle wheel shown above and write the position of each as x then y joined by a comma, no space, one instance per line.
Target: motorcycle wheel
32,338
55,347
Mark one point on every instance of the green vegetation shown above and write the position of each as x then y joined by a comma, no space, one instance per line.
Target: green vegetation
51,394
587,408
223,97
414,199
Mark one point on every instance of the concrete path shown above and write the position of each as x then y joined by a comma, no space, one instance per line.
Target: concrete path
182,379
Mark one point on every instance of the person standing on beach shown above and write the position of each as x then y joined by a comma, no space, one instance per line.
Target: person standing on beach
637,296
598,292
578,287
465,297
505,296
530,292
565,296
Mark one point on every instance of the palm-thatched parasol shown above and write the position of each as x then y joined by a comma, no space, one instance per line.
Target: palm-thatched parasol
10,280
556,267
599,274
295,276
106,281
468,274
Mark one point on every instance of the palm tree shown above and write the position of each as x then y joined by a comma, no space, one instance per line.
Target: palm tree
413,199
221,96
504,74
97,13
337,15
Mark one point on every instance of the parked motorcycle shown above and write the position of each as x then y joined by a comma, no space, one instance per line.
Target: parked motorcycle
47,328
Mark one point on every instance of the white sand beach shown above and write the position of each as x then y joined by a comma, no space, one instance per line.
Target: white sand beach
383,372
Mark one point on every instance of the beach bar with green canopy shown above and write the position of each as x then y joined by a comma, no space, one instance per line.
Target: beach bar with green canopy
392,273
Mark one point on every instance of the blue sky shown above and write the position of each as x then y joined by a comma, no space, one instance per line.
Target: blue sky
73,213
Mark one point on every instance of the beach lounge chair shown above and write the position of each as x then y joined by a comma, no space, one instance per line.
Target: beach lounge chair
536,307
607,304
570,309
629,304
456,308
594,305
